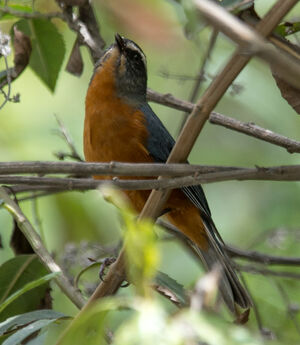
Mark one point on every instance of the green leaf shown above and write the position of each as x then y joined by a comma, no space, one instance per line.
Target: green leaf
21,8
14,275
88,326
171,288
236,5
287,28
48,49
26,318
140,242
27,287
23,333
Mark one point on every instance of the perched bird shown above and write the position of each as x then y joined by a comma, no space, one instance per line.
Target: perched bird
120,126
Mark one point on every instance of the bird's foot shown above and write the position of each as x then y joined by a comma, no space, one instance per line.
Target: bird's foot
105,264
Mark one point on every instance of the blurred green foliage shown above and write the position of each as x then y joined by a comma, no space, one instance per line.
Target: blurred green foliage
257,215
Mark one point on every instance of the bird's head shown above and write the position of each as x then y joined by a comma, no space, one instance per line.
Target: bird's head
129,67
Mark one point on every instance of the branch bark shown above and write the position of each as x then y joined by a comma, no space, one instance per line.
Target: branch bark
281,173
41,251
251,42
235,252
248,128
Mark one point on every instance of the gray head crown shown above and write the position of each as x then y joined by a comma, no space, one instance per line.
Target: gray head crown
131,71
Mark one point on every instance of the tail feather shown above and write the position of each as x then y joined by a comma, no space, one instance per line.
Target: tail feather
230,287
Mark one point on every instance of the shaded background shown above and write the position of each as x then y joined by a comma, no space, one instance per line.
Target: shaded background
252,215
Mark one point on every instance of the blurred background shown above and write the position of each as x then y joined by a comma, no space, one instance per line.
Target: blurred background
256,215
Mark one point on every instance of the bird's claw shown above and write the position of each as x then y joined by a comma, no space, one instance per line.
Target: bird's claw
105,264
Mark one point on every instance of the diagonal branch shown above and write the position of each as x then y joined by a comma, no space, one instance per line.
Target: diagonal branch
248,128
251,42
37,245
188,137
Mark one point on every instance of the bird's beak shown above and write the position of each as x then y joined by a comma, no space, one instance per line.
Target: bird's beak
120,42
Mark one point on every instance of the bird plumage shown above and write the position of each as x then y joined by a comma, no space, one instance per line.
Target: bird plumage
121,126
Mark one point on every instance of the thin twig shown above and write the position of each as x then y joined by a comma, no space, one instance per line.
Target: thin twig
265,259
200,75
90,38
248,128
265,271
8,80
266,333
68,139
37,245
31,15
289,305
234,252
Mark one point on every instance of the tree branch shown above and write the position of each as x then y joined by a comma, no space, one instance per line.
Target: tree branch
250,41
112,168
31,15
282,173
265,271
265,259
248,128
38,247
85,26
235,252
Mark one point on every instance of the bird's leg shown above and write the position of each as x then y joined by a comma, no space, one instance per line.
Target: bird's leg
105,264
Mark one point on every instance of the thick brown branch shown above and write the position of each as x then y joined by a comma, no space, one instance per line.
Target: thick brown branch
112,168
282,173
249,41
85,26
248,128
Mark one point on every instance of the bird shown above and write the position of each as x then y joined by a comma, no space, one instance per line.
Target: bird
120,125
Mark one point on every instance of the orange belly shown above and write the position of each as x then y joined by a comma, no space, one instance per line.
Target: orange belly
114,131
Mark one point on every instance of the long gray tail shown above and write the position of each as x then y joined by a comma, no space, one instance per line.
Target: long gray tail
230,287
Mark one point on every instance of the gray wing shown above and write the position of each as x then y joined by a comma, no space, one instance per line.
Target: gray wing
159,144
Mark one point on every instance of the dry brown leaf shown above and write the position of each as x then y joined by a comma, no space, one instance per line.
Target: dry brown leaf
22,47
168,294
289,93
75,62
243,317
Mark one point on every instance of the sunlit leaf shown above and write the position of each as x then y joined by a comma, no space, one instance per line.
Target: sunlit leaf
148,325
88,326
287,28
140,242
